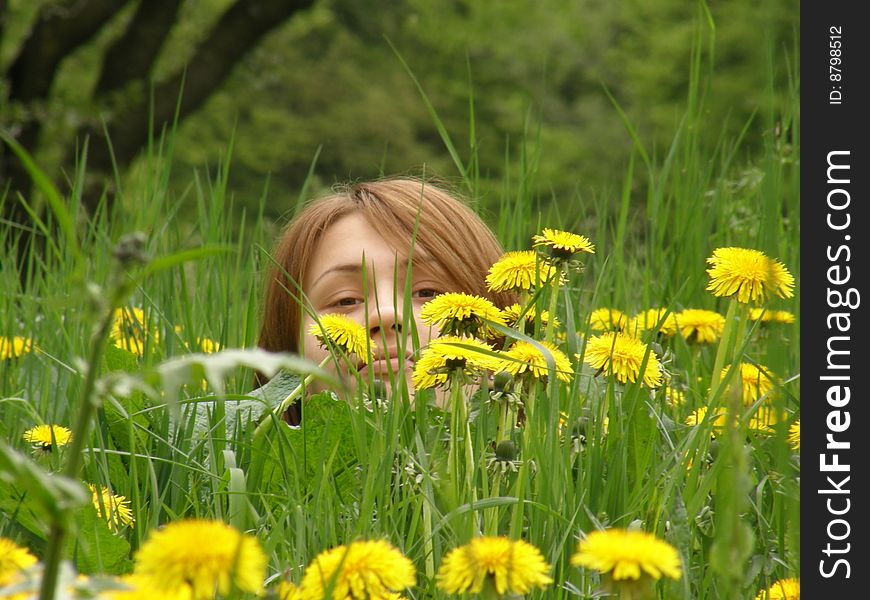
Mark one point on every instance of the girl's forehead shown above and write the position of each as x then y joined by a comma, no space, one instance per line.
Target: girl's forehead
354,235
351,238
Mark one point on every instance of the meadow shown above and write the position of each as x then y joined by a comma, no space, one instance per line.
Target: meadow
135,335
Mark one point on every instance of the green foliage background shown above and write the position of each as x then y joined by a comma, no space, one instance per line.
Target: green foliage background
326,89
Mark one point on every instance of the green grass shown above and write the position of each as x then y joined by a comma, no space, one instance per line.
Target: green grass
342,477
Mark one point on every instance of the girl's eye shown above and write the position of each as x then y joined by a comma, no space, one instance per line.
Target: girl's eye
347,302
426,293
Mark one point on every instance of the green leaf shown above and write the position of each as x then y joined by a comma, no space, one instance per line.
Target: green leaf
239,506
51,492
119,359
15,506
95,547
214,368
320,452
172,374
123,412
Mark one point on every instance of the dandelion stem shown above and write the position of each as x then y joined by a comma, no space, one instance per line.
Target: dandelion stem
501,433
726,347
427,537
57,535
491,524
455,427
554,296
463,489
519,508
502,426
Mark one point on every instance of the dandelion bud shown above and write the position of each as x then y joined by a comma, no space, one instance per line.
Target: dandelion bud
578,431
131,249
379,391
506,451
502,382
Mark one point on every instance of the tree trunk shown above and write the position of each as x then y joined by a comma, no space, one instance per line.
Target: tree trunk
131,57
233,36
125,86
60,29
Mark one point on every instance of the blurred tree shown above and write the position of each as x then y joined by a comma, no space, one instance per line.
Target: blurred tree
325,94
330,86
128,100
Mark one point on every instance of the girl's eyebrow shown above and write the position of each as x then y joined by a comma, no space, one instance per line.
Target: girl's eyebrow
347,268
357,268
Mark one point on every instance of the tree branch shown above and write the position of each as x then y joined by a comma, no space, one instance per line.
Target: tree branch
131,57
232,37
58,31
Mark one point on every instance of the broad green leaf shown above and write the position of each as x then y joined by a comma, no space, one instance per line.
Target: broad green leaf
95,547
52,492
321,451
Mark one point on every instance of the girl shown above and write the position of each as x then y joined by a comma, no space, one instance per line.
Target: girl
353,251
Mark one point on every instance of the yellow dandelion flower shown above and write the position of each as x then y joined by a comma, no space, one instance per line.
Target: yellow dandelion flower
784,589
344,332
650,319
607,319
130,331
794,435
621,355
118,513
759,423
207,345
675,396
203,344
762,421
523,357
374,570
782,316
700,326
14,347
626,554
512,318
697,417
41,436
449,352
563,244
205,557
747,275
136,587
287,590
563,420
458,313
757,381
771,316
13,560
509,566
519,271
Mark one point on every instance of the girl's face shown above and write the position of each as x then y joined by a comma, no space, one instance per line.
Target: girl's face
335,282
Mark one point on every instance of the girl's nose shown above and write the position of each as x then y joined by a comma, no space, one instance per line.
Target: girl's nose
385,314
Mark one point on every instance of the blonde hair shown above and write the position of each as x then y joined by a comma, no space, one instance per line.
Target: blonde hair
448,231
